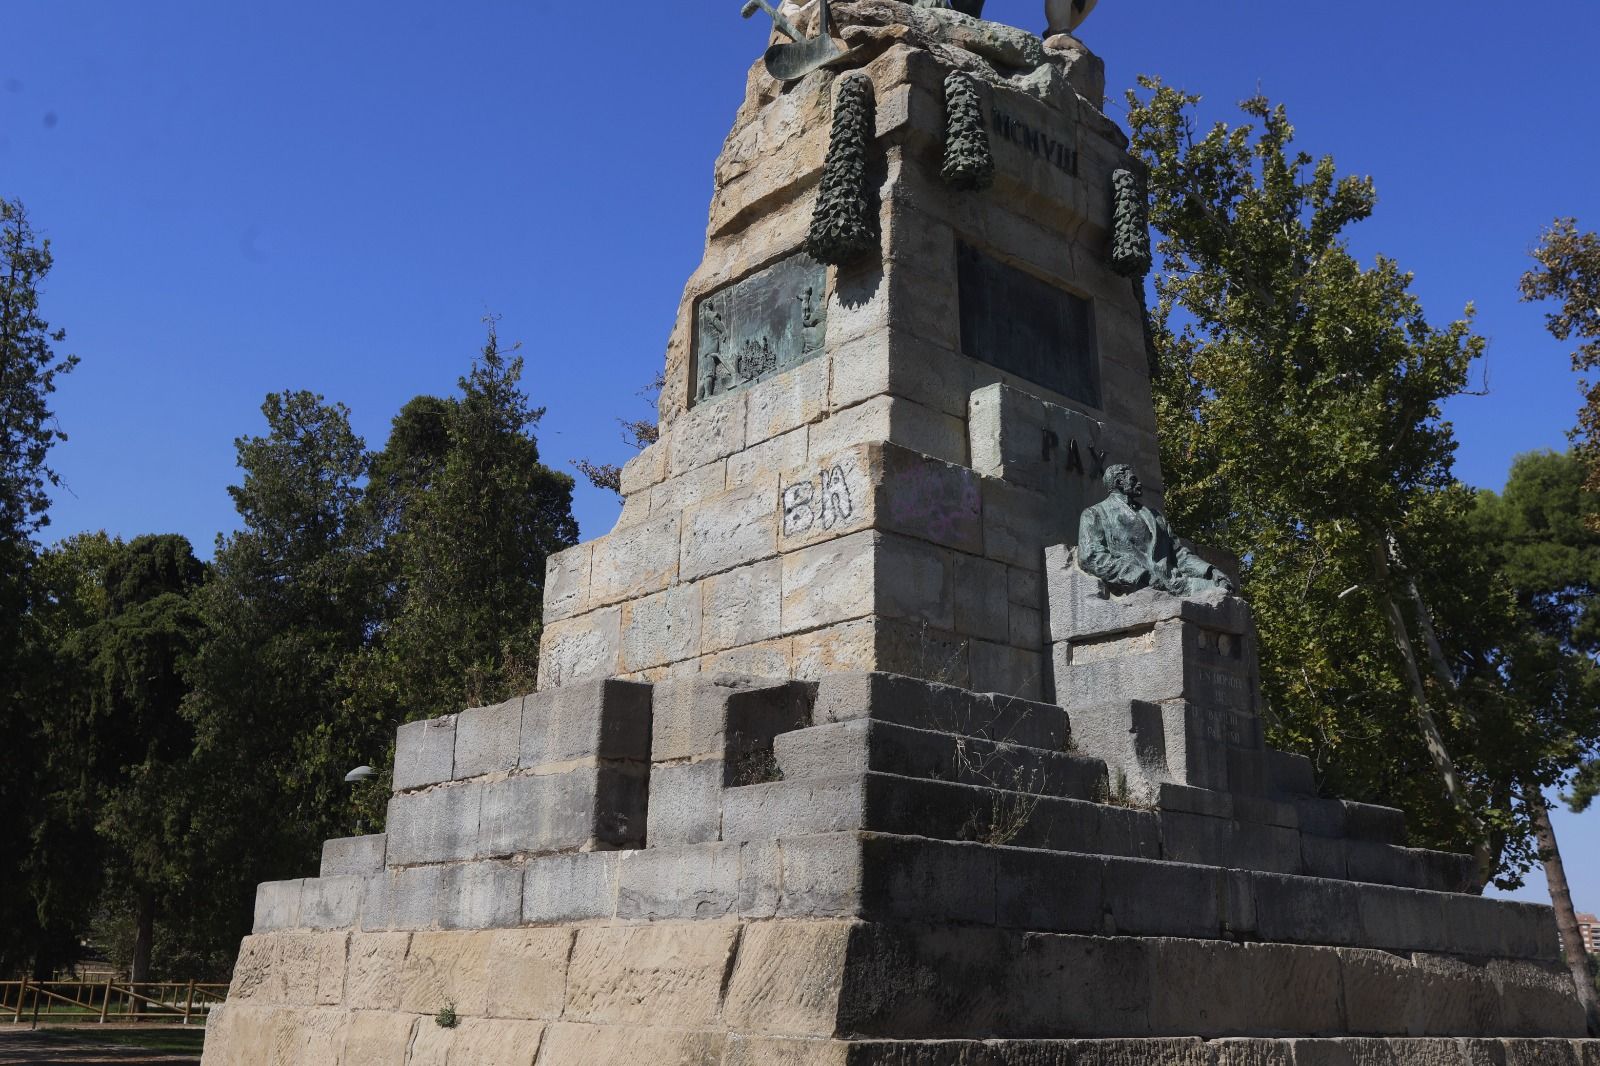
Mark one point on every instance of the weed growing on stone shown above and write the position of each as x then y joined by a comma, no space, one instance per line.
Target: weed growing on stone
759,767
446,1018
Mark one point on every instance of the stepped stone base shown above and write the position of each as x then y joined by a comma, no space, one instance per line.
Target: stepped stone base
825,992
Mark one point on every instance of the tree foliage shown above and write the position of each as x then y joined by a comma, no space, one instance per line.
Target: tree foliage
1568,272
469,516
1299,399
31,924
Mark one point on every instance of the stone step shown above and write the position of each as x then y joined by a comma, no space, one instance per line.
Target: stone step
879,877
857,747
943,709
888,803
1171,1051
910,806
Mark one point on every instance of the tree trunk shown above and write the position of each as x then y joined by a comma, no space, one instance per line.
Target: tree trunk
1566,915
1426,723
143,938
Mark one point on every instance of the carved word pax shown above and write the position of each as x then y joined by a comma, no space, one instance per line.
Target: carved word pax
824,502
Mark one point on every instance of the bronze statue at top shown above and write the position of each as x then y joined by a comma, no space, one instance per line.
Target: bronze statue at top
1130,546
805,29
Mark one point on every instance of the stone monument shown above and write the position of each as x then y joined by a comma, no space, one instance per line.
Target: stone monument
839,756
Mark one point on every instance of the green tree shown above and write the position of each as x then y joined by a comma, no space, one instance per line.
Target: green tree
1278,352
291,598
470,515
133,741
30,933
1568,272
1536,535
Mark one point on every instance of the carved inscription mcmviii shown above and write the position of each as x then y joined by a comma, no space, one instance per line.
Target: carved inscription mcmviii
753,329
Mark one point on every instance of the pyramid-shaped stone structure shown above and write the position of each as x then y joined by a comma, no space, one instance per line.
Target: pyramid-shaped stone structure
838,755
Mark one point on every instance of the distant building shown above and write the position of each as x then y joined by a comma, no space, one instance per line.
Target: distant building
1589,929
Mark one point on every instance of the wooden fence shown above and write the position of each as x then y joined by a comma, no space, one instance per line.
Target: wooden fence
82,1002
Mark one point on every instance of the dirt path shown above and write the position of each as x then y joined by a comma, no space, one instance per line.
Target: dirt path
24,1048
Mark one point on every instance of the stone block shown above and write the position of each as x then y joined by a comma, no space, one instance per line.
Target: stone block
585,648
742,607
786,402
1040,891
1006,671
1536,999
440,825
353,856
638,975
567,1042
710,432
566,582
831,582
1402,919
909,879
592,806
411,897
732,530
757,464
724,716
1541,1053
527,971
661,629
1380,825
821,876
253,969
311,968
278,905
689,490
856,747
928,500
875,365
1456,997
1304,910
773,658
1291,775
576,887
1014,521
647,468
481,895
685,804
1248,988
825,497
692,882
480,1041
1144,898
376,959
636,560
608,719
1380,993
377,1039
331,902
942,708
787,979
913,580
1322,857
488,739
424,753
447,968
799,808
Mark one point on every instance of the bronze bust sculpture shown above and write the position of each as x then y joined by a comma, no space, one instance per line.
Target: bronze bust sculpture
1130,546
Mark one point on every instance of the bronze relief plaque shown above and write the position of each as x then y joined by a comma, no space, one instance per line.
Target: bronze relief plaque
757,328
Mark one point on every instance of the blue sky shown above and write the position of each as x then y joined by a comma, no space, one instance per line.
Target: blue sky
251,197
